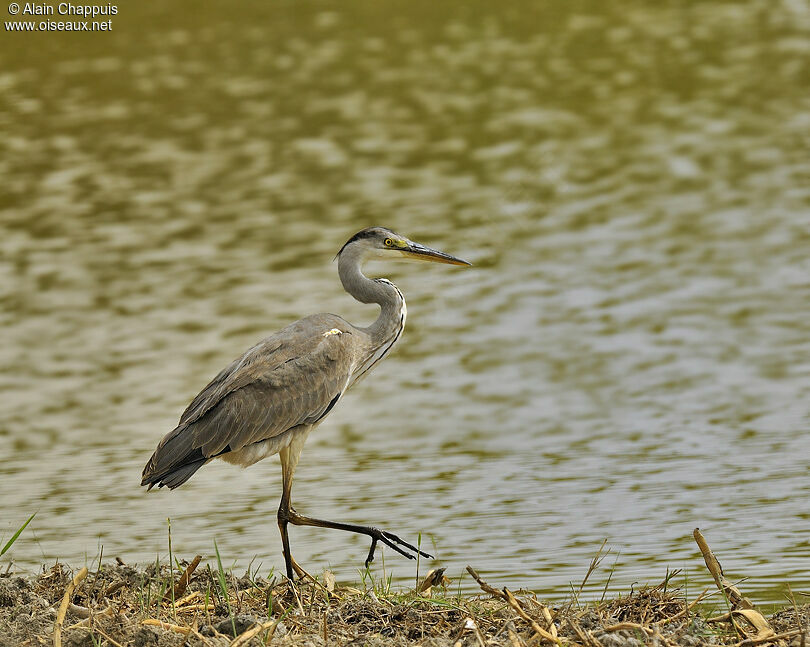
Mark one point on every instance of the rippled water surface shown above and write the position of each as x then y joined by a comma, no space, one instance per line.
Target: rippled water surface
629,358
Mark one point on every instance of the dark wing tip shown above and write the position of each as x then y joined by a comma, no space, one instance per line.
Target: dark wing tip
167,467
179,475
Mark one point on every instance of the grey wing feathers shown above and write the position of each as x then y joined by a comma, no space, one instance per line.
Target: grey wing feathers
295,393
237,374
292,378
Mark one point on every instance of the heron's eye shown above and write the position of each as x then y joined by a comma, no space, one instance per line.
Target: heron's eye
389,242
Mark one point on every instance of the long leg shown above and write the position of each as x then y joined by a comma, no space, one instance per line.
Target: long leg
283,512
289,461
286,513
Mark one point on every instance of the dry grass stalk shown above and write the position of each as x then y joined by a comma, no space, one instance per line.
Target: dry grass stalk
300,572
732,592
740,606
88,619
113,588
108,638
434,577
471,625
544,611
197,607
514,637
182,583
78,610
168,626
796,614
329,580
597,559
194,595
687,609
484,586
767,639
655,616
510,599
296,596
244,638
757,621
630,625
584,637
60,617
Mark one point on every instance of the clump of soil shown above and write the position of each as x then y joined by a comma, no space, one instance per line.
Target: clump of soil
123,605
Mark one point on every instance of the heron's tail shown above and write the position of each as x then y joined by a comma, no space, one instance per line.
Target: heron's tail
174,461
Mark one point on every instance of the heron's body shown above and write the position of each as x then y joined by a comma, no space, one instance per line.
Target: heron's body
268,400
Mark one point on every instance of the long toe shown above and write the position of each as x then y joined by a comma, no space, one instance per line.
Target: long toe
401,541
394,542
371,550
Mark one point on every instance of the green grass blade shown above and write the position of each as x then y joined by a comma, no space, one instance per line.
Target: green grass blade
11,541
224,587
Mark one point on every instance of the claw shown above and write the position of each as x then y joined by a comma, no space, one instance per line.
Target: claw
370,557
391,540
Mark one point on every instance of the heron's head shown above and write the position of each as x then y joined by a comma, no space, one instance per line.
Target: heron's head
379,243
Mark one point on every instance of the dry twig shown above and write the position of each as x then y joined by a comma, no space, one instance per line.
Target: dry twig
90,617
60,617
194,595
584,637
484,586
435,577
244,638
178,629
471,625
630,625
113,588
740,605
732,592
114,643
767,639
510,599
182,583
514,637
687,609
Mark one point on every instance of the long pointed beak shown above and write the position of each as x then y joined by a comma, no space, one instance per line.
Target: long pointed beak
421,253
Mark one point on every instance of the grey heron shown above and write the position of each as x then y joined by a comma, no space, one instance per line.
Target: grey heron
268,400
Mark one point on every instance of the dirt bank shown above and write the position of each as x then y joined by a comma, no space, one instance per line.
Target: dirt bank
121,604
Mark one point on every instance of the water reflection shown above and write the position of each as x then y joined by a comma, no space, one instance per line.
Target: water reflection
629,359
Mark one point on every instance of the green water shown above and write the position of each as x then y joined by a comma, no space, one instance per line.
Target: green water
629,359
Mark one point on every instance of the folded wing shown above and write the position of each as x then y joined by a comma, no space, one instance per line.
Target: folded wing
291,379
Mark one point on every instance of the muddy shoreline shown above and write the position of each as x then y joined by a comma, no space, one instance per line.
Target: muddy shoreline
121,604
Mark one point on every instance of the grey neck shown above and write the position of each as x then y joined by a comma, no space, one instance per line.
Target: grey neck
366,290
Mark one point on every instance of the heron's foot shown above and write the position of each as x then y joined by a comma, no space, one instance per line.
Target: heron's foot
392,541
388,538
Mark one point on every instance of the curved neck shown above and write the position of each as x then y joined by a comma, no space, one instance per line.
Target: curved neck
365,290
